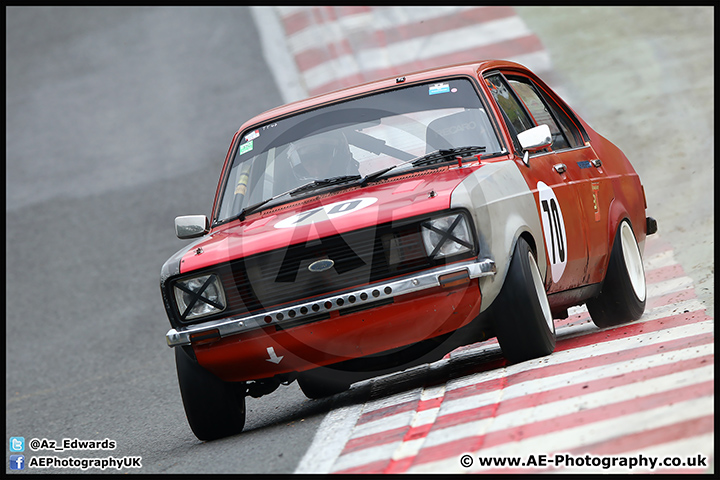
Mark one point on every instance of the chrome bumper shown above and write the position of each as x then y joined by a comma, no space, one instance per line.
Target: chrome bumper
350,300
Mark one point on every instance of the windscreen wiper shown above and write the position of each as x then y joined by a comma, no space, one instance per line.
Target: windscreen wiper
372,176
444,155
430,158
251,208
311,185
326,182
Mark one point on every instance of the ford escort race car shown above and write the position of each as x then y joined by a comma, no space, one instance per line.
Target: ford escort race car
381,226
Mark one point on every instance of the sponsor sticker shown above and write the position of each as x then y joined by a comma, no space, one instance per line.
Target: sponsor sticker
252,135
439,88
246,147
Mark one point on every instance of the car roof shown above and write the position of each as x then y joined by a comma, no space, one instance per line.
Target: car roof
469,69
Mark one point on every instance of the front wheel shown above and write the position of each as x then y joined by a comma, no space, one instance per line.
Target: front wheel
524,325
214,409
624,291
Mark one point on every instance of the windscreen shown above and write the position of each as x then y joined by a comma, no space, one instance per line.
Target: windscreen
354,138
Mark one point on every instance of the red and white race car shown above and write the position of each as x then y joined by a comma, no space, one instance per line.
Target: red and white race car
370,229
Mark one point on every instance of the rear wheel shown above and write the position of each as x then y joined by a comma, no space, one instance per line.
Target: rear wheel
524,325
624,291
214,408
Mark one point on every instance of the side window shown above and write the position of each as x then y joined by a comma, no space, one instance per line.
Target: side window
546,111
514,114
540,113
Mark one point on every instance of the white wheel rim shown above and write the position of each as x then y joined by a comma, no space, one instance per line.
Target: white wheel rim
540,292
633,261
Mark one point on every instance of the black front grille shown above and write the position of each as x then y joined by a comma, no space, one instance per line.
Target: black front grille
264,281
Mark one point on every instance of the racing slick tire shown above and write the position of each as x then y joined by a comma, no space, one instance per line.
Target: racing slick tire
624,290
524,325
317,385
214,409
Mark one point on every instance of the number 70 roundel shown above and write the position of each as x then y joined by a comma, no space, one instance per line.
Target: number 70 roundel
553,229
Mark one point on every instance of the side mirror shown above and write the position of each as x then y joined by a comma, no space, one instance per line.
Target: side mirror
534,139
191,226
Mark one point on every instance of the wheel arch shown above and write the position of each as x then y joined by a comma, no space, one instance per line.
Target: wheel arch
618,213
525,234
503,207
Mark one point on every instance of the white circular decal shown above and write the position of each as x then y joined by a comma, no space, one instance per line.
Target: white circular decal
326,212
553,229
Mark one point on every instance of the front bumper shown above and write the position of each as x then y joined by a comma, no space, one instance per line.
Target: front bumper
369,295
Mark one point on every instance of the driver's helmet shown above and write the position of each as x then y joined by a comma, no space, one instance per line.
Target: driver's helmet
322,156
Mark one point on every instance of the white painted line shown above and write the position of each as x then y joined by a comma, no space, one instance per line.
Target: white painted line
330,439
670,310
365,456
669,286
659,260
384,424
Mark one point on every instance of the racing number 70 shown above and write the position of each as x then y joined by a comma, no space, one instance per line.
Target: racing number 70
337,208
551,210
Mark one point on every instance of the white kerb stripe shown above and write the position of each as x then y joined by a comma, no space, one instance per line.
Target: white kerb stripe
330,439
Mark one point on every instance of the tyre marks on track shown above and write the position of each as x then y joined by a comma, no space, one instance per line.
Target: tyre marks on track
646,387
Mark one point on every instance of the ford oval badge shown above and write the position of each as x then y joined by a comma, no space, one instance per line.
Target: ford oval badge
321,265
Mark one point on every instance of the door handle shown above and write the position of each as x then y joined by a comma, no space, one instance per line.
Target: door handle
596,163
560,168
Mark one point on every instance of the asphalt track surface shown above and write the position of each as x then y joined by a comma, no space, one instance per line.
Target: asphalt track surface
118,120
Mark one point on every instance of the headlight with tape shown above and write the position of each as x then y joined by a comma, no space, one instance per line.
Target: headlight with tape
447,236
199,296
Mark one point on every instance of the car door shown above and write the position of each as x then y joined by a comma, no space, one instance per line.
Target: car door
583,168
552,182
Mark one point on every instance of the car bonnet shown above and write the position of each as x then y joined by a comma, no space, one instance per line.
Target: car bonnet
312,218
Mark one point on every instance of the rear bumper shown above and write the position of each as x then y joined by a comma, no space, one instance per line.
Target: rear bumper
295,314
